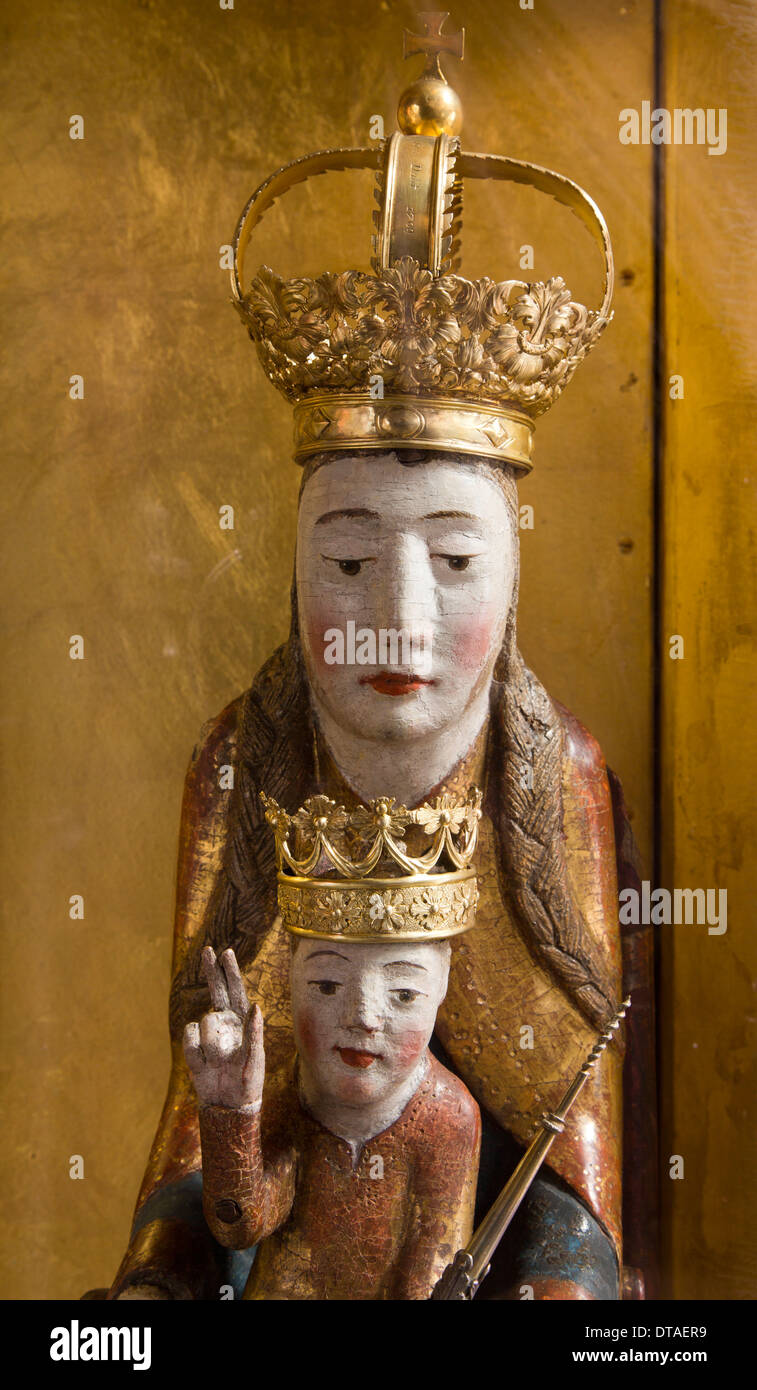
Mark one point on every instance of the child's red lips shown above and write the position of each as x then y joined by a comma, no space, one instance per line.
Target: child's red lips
395,682
355,1058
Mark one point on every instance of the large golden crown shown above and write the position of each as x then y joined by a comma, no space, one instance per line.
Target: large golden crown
380,872
414,355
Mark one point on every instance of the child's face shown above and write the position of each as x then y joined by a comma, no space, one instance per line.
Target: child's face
364,1013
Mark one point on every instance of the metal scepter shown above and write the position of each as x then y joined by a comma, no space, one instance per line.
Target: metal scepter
462,1278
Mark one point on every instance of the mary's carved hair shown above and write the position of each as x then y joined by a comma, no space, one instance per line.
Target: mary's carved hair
275,753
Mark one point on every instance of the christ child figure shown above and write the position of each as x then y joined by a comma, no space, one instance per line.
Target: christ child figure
353,1170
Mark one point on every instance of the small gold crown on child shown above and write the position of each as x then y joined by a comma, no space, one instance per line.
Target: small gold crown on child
378,872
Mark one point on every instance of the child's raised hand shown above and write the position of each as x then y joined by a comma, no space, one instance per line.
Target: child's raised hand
224,1051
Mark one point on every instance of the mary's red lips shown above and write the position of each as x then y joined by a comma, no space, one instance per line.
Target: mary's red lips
395,682
353,1058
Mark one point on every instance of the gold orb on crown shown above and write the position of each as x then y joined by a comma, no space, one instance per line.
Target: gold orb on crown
429,107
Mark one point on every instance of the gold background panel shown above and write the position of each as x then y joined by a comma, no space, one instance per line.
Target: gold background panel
708,808
111,253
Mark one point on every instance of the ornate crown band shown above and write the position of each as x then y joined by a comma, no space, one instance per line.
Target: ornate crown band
432,908
446,426
357,895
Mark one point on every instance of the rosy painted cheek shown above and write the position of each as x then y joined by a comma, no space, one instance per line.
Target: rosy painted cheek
410,1045
311,1036
319,621
473,640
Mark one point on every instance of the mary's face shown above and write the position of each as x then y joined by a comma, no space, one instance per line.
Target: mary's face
404,582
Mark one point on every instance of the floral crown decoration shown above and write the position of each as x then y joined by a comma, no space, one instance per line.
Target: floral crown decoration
379,872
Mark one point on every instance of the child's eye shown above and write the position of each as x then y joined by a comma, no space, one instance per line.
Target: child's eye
326,986
406,996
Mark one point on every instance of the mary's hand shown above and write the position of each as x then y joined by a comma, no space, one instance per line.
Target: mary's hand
224,1051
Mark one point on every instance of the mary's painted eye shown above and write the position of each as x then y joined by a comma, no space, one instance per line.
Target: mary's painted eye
458,562
326,986
350,566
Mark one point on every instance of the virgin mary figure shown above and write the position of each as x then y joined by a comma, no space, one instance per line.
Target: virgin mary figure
415,394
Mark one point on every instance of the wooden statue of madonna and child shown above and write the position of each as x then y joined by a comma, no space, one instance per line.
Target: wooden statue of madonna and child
396,1055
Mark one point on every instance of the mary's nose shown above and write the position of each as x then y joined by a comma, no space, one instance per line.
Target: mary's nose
406,585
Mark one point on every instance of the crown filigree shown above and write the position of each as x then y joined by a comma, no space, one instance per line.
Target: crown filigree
415,354
354,875
472,356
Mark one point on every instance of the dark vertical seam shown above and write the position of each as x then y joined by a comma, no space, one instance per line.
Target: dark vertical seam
658,573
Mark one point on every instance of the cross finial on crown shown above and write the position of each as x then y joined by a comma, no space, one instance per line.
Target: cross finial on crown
433,43
429,106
